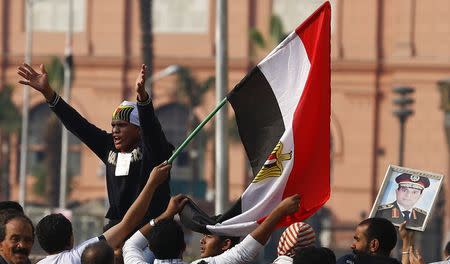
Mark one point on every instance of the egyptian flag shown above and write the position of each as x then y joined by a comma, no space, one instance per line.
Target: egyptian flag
282,110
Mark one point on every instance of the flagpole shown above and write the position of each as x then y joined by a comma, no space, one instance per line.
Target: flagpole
221,136
196,130
66,95
26,105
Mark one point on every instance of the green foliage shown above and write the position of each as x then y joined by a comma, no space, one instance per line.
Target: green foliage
276,29
55,70
10,118
257,38
276,35
191,87
40,173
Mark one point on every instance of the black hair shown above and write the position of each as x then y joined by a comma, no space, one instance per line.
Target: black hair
98,253
11,205
166,240
382,230
54,233
234,240
9,215
313,255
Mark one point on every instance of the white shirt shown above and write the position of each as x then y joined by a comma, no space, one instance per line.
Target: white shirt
244,252
283,260
72,256
133,249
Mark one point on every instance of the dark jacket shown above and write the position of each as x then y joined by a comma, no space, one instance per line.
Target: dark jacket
366,259
152,150
392,212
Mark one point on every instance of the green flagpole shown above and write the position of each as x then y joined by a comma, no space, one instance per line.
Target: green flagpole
196,130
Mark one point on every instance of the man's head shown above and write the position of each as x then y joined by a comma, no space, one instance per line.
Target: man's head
166,240
11,206
98,253
213,245
54,233
16,237
410,188
313,255
374,236
297,235
125,126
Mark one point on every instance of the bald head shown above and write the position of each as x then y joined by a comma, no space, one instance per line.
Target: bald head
98,253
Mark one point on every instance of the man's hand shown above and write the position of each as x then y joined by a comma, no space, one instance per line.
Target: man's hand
405,234
176,204
140,85
159,174
289,205
39,81
415,257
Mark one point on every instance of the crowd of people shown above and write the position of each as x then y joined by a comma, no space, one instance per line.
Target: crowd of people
141,227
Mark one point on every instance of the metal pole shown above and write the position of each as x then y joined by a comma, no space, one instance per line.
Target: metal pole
402,142
221,161
26,105
66,96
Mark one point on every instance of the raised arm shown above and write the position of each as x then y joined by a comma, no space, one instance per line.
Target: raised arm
247,250
133,250
288,206
152,134
38,81
117,234
96,139
407,237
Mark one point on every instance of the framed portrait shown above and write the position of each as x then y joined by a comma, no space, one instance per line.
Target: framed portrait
407,195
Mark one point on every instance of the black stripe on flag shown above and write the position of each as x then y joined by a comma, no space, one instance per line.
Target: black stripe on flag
258,117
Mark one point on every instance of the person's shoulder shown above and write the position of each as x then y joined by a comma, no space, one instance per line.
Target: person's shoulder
199,261
420,211
346,259
386,206
283,260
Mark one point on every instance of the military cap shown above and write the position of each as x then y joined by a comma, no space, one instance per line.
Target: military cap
412,181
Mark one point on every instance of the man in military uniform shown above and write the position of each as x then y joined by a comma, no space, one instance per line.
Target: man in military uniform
409,191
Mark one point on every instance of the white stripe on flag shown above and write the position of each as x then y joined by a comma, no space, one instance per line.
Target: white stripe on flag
286,69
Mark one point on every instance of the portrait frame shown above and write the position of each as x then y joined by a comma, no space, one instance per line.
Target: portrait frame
387,199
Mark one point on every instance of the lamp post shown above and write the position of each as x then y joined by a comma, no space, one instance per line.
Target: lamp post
26,104
444,222
169,70
403,101
444,88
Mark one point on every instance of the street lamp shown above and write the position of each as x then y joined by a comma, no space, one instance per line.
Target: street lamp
444,88
169,70
403,101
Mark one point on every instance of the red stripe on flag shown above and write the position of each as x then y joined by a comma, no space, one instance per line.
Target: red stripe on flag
310,175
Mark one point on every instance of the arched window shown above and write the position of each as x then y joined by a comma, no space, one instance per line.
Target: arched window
44,149
186,175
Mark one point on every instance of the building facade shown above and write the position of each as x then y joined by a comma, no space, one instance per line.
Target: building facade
376,45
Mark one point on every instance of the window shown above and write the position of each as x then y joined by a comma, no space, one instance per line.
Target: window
180,16
53,15
186,173
45,145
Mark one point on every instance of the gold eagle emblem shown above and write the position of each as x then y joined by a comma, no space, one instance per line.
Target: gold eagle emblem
273,167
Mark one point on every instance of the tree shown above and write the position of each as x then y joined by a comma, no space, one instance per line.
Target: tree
10,122
276,35
194,91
